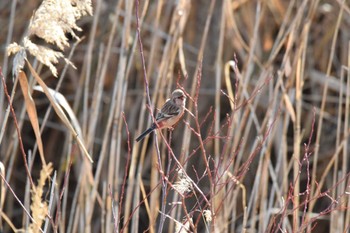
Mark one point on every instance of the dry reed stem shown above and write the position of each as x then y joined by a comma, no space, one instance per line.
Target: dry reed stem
17,129
59,111
260,100
60,80
323,103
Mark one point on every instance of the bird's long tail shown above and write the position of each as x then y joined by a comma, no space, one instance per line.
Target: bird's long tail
146,132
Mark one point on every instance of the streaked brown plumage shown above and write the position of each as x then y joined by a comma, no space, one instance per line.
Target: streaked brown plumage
170,113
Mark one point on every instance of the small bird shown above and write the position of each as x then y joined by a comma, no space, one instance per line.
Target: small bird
169,114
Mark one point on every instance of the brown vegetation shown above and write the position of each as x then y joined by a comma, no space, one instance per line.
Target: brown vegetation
263,145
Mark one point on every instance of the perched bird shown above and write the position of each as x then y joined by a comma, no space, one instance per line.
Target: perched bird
169,114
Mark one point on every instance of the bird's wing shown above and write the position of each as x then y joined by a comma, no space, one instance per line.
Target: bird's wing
168,110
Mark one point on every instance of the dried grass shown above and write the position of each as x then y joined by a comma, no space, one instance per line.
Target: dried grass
263,146
52,22
39,207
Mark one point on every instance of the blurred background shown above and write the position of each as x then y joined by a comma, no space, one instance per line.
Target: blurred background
266,149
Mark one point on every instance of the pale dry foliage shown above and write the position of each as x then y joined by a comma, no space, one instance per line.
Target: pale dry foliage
263,147
50,22
39,207
183,185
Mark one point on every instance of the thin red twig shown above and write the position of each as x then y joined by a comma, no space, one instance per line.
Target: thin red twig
24,155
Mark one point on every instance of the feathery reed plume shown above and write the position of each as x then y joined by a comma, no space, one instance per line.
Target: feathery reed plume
184,184
50,22
208,215
39,207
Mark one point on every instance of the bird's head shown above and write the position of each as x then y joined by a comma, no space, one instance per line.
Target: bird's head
179,97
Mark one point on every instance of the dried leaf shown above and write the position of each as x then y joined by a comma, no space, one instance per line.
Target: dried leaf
61,100
59,111
31,110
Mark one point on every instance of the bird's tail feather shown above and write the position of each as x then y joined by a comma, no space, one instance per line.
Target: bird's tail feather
146,132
